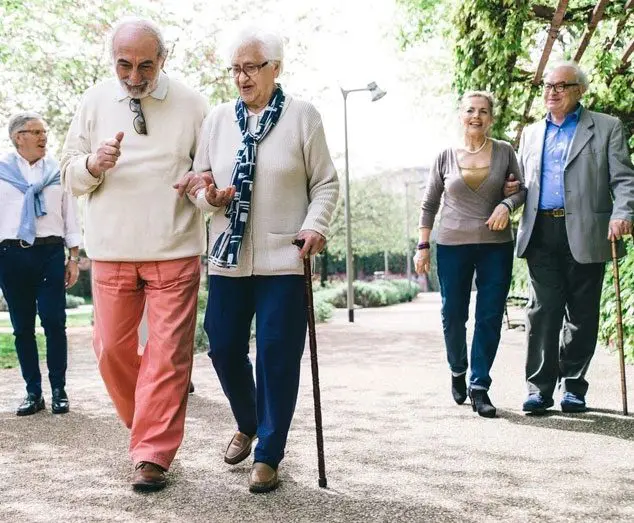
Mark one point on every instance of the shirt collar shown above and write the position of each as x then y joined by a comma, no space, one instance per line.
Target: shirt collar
570,117
25,162
159,93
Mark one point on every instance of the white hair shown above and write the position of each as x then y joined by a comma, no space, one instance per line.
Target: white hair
18,121
581,76
147,26
269,42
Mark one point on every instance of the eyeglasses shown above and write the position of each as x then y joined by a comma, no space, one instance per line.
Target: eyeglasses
139,119
34,132
250,70
558,88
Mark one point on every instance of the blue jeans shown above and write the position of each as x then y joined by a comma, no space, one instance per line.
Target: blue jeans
493,266
279,306
32,280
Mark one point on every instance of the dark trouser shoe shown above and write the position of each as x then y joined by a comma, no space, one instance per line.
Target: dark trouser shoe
263,478
60,404
481,403
148,477
572,402
459,388
239,448
537,404
30,405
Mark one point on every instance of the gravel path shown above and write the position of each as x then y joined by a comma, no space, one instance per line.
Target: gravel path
397,447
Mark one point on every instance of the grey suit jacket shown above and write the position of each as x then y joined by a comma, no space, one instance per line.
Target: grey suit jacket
598,183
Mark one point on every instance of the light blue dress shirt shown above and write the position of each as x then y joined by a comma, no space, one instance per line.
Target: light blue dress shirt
557,141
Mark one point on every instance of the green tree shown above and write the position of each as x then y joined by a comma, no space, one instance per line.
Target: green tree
504,46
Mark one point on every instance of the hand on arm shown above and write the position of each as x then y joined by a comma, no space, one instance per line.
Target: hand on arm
511,186
499,218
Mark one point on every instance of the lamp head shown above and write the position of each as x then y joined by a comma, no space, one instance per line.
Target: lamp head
376,92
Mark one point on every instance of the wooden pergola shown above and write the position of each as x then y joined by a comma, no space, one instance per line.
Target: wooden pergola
558,17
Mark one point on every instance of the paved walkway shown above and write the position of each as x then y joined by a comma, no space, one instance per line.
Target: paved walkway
397,447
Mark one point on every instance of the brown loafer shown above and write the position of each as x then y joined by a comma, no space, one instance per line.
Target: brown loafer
148,477
239,448
263,478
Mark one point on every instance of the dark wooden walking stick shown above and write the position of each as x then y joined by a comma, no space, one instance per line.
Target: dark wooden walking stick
312,339
619,325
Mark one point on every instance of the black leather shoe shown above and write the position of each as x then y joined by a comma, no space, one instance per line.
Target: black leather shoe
191,387
60,403
459,388
30,405
481,403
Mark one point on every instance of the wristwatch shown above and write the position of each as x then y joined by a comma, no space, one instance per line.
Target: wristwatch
73,259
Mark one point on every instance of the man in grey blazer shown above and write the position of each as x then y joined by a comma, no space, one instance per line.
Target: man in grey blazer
580,182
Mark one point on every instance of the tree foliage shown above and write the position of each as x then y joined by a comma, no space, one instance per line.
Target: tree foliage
499,45
51,51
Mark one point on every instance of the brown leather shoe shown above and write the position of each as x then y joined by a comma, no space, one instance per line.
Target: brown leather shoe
263,478
148,477
239,448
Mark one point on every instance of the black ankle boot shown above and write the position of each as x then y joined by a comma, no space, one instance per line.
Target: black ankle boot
481,403
459,388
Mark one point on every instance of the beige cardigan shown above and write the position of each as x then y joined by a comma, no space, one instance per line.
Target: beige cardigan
295,186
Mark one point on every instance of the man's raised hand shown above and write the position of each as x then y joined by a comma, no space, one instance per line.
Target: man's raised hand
105,157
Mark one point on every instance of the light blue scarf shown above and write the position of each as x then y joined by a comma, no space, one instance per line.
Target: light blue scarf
34,205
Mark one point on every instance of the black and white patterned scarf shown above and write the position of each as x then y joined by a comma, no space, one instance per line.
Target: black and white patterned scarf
226,250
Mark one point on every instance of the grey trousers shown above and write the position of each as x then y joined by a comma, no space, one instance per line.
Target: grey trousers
563,311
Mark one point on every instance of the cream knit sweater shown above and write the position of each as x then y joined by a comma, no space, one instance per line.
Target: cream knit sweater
132,212
295,186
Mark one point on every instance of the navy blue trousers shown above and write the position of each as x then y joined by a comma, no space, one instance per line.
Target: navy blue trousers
493,266
279,306
32,281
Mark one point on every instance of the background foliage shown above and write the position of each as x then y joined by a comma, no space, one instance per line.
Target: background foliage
497,45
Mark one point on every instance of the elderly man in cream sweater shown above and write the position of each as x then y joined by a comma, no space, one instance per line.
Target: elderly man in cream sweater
268,155
131,139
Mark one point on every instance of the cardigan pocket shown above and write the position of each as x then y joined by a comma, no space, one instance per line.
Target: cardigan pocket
283,256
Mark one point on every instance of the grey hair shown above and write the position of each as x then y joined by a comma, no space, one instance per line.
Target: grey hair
18,121
147,26
269,42
581,76
480,94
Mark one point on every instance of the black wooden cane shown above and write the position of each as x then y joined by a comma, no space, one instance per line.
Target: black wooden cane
619,325
312,339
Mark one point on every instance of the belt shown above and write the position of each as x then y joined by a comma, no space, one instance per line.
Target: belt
45,240
554,213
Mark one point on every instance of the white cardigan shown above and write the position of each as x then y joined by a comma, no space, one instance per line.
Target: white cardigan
295,186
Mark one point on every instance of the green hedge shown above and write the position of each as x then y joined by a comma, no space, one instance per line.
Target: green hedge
378,293
607,326
72,302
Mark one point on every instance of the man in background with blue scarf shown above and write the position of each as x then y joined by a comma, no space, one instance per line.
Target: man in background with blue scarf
37,219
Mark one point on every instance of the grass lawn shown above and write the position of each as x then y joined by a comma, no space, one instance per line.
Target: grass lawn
72,320
8,357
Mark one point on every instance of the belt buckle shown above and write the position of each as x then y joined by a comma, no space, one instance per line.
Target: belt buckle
25,245
559,213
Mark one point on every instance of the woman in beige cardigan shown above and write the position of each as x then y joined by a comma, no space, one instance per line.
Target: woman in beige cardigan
273,182
474,235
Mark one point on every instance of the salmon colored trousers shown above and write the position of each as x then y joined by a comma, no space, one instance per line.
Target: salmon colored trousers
149,391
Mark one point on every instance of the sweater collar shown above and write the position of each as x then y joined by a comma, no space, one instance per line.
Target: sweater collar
159,93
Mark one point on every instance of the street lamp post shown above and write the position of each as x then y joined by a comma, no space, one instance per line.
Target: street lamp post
377,94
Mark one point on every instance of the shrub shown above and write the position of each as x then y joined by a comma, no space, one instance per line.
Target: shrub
72,302
3,304
378,293
201,342
607,326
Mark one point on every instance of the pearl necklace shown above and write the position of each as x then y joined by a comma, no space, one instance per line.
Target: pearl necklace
486,139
